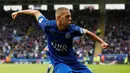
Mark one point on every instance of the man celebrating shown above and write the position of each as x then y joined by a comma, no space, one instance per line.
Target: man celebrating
60,33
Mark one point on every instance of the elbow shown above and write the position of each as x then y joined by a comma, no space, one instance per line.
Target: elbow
36,12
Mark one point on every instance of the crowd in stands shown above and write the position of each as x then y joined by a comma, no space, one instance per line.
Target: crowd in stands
117,32
23,38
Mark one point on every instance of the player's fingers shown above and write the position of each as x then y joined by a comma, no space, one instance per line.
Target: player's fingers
13,16
104,46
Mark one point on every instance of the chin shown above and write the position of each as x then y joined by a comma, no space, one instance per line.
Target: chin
69,23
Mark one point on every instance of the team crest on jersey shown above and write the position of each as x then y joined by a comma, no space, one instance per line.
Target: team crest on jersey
67,35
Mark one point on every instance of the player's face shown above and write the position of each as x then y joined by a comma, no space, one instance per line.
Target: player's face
66,18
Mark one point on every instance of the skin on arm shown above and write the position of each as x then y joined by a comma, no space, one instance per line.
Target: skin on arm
95,37
35,13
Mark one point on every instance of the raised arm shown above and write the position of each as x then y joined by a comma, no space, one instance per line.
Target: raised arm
95,37
31,12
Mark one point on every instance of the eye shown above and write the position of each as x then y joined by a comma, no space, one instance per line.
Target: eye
67,16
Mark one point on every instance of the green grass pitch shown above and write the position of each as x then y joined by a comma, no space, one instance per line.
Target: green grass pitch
42,68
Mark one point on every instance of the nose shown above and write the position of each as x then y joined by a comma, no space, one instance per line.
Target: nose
70,18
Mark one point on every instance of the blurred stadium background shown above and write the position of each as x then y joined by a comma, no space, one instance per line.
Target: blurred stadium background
22,41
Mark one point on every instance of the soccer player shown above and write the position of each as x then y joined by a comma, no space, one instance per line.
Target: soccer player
60,33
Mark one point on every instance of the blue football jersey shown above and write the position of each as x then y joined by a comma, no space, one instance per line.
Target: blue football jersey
59,42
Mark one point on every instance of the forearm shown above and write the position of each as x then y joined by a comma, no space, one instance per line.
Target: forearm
31,12
95,37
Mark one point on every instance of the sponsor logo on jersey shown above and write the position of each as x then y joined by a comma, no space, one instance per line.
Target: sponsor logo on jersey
59,47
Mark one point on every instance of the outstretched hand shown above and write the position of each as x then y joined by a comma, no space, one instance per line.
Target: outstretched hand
14,15
104,45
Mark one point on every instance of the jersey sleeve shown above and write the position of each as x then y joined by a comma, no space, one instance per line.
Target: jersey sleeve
79,30
42,21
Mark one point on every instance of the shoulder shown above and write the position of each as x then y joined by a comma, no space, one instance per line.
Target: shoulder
74,27
51,23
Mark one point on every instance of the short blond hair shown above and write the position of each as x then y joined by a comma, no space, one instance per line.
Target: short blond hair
59,11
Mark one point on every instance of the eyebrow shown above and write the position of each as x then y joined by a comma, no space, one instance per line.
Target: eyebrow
67,15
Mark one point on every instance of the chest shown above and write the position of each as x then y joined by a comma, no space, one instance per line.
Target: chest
57,35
